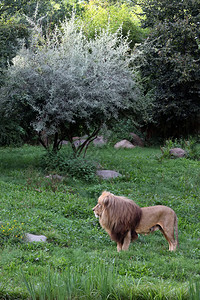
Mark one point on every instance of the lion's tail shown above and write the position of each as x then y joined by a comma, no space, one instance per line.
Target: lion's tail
176,229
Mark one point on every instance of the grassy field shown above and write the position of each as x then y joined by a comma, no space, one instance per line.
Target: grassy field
79,261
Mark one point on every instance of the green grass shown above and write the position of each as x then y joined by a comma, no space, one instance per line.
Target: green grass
79,261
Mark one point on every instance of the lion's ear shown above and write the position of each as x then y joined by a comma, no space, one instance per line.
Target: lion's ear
105,201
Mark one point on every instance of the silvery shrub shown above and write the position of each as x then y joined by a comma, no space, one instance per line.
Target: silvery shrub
67,85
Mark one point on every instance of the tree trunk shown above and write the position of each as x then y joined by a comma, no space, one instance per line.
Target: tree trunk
56,142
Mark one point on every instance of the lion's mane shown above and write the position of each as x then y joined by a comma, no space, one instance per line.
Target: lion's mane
119,215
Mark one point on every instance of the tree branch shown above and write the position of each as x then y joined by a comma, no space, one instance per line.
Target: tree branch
88,141
41,141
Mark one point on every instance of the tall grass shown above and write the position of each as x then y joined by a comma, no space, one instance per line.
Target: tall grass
98,282
194,290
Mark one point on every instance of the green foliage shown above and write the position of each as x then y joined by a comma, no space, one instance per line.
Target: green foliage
122,130
169,144
97,14
11,134
67,164
55,11
157,11
190,146
71,87
9,7
14,25
169,65
10,33
11,232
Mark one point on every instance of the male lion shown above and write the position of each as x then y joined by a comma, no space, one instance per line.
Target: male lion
123,219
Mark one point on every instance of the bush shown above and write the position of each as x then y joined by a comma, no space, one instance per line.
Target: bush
11,134
66,163
190,146
122,130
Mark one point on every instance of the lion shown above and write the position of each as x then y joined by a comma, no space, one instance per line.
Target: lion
123,220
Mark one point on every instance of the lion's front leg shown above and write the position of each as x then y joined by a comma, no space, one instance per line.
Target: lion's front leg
127,241
119,247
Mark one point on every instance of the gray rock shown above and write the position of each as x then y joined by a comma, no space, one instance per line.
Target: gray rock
35,238
78,142
99,141
55,177
107,174
177,152
136,140
124,144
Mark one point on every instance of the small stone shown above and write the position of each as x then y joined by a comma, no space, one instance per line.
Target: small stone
107,174
35,238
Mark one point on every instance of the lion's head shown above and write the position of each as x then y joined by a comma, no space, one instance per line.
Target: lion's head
117,215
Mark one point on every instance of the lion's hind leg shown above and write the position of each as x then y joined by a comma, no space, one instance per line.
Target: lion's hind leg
169,235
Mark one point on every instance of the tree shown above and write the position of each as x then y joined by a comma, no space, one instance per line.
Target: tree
159,11
170,65
67,85
97,14
56,10
10,33
10,7
14,26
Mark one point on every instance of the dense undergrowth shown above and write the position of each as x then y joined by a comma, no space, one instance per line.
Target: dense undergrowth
79,261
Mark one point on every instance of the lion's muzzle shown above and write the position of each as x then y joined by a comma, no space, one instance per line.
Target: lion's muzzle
97,210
